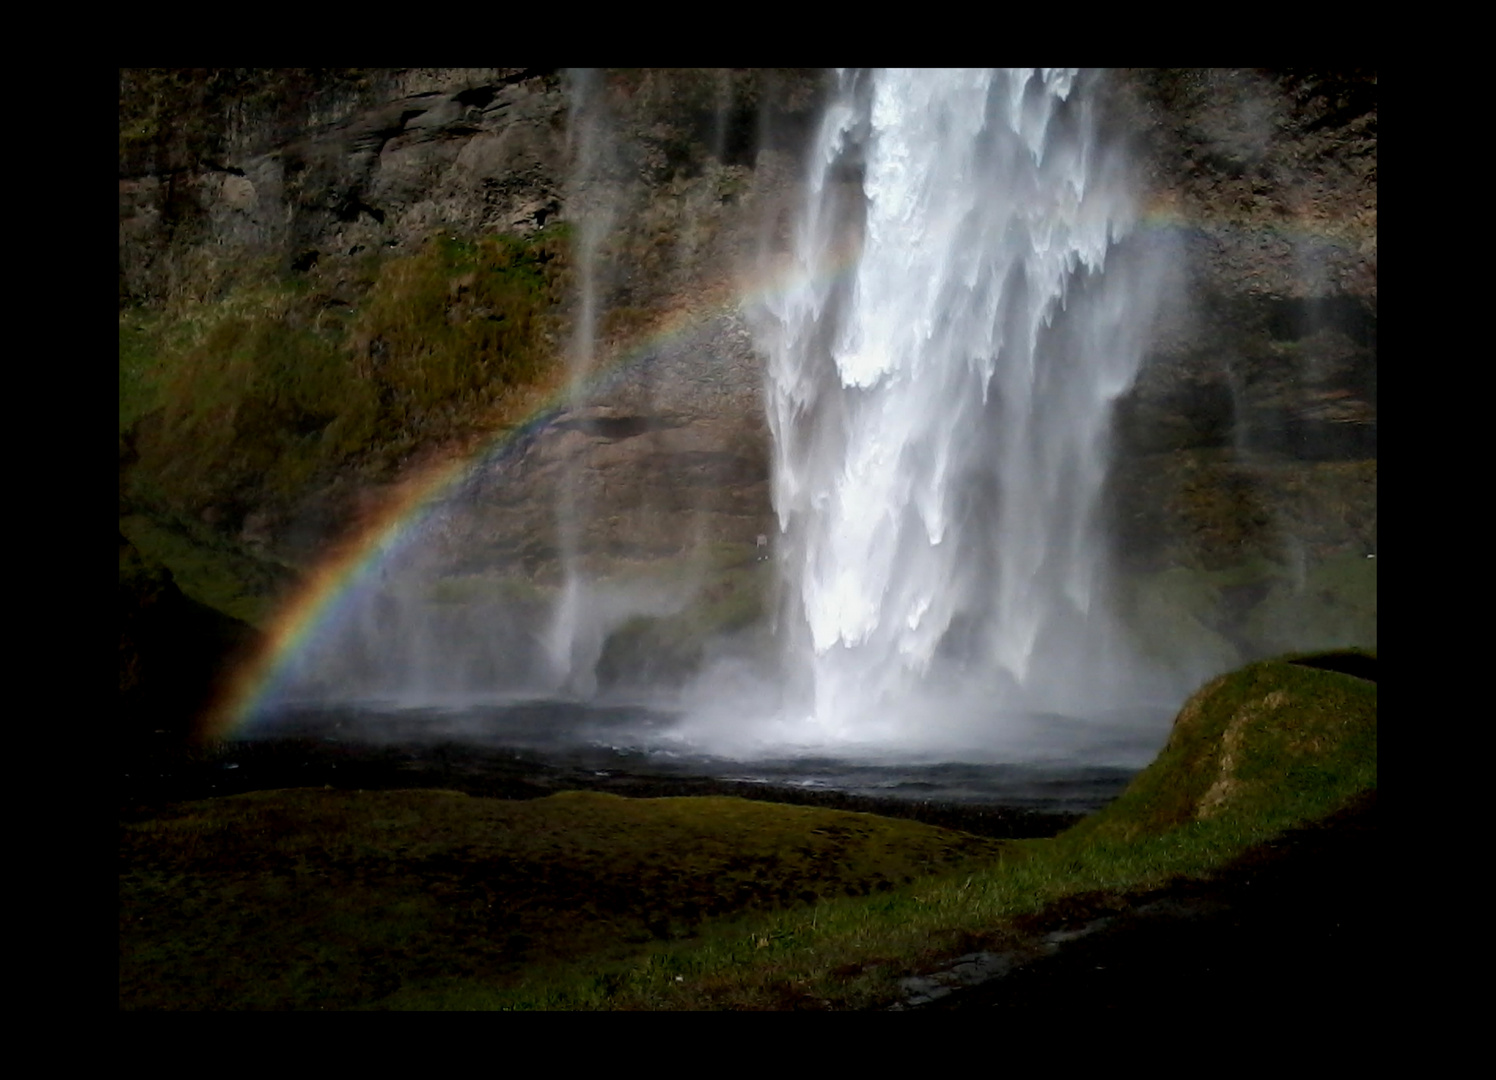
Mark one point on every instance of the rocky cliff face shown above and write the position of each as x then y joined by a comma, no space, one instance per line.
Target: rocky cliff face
664,178
318,168
1247,443
1245,490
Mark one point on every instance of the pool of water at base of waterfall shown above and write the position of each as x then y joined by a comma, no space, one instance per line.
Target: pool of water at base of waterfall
1083,765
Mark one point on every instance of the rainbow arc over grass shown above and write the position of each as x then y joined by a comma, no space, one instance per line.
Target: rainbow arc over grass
357,557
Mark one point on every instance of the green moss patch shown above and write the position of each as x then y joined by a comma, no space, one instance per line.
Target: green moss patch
211,570
253,399
274,382
1274,744
1176,615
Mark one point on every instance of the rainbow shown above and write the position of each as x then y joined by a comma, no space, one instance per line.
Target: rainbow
358,556
1166,214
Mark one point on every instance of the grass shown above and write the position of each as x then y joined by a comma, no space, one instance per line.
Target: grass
306,899
1252,754
313,898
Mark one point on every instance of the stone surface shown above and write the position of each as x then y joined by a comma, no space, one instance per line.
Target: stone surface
664,453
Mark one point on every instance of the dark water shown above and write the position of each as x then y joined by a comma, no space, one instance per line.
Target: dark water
635,743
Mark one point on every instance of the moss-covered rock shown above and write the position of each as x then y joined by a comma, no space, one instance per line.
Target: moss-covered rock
669,649
1270,746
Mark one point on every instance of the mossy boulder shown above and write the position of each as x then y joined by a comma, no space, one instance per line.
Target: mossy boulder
669,649
1270,746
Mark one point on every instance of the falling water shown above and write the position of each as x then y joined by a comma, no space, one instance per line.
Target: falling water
587,144
940,387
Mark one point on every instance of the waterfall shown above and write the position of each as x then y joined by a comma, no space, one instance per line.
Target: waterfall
962,316
961,303
588,143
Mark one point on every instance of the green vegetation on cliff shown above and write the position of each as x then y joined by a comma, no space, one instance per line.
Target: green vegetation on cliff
251,401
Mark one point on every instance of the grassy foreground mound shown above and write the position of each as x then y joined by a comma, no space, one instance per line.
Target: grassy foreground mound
335,899
430,900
